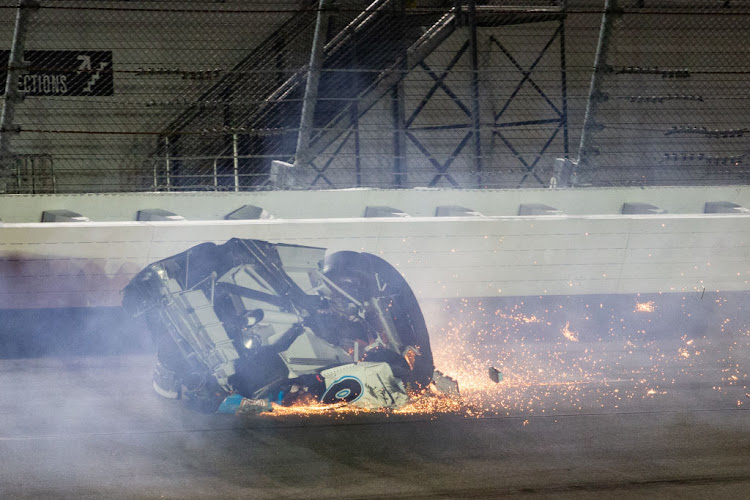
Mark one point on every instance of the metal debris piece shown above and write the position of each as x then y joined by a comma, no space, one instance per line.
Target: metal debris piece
495,375
445,384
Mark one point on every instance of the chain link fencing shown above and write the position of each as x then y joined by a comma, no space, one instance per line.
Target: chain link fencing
195,95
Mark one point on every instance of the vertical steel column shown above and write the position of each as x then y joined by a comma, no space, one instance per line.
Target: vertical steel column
399,136
564,77
458,15
475,110
398,112
354,116
236,162
600,67
15,64
302,154
168,163
357,146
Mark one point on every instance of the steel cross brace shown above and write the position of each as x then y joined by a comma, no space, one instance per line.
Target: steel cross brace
321,170
439,84
526,77
441,168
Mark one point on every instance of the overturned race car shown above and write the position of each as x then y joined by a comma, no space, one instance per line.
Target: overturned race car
247,323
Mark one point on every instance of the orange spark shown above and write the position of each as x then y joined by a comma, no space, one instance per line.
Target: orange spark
568,334
645,306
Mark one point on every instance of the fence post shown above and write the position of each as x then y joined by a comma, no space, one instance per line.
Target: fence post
302,154
167,163
236,162
475,110
600,67
15,64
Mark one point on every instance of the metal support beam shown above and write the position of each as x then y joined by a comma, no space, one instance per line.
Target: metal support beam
475,109
561,111
600,67
357,146
354,118
168,163
236,162
26,8
399,137
564,78
302,155
398,110
458,16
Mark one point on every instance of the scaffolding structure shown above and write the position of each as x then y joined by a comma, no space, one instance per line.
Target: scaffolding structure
164,96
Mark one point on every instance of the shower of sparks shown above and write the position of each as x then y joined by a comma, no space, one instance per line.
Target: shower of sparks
518,318
313,409
430,403
568,334
645,306
614,360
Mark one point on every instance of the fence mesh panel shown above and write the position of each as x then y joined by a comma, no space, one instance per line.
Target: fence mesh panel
183,95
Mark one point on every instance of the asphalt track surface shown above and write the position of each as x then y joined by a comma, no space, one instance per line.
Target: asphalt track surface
90,427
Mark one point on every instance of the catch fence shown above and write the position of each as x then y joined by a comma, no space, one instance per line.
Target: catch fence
170,95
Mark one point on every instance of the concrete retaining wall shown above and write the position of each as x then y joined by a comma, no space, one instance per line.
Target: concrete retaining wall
87,264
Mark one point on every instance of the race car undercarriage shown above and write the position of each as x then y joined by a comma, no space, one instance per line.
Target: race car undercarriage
255,322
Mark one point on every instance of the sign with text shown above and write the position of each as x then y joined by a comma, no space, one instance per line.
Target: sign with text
62,73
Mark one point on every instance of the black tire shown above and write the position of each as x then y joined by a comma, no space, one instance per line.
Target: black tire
364,275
